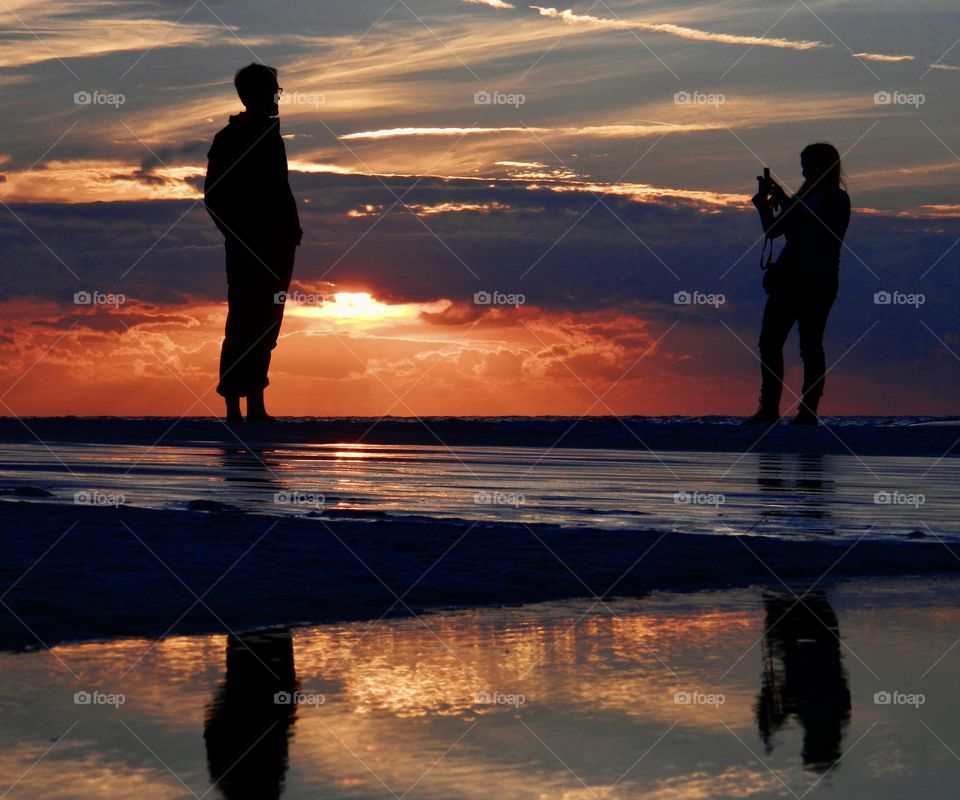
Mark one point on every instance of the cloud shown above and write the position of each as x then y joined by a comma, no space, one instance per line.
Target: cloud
499,4
651,129
89,180
570,18
597,295
883,58
421,209
118,320
68,37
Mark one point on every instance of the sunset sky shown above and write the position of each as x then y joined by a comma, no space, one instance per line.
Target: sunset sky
591,160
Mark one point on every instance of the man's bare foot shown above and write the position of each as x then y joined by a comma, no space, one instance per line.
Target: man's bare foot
233,409
256,411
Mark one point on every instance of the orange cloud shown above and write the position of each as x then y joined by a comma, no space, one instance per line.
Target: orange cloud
357,356
570,18
90,180
499,4
650,129
883,58
54,31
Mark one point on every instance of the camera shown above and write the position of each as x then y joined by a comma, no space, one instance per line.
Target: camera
766,189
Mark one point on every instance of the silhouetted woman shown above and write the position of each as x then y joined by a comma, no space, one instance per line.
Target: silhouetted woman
804,676
802,284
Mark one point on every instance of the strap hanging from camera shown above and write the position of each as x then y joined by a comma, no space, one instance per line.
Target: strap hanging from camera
767,238
765,264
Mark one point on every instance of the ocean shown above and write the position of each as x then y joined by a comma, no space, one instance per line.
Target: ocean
855,477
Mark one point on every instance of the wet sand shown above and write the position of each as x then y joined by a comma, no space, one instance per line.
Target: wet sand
740,693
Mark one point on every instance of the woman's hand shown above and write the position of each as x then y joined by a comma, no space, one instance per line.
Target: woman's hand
760,198
777,195
769,194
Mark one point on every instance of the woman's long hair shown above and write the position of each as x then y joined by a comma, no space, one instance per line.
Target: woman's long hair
827,159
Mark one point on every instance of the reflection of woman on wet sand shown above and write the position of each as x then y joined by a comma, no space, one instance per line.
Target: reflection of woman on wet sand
803,676
246,729
800,482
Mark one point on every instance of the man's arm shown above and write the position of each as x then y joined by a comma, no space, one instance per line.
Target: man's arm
289,218
216,197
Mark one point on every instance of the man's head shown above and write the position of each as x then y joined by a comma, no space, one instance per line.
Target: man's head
258,88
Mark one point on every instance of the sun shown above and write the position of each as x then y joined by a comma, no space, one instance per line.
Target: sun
353,307
359,305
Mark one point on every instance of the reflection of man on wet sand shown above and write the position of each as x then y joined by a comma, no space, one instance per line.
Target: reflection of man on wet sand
803,676
246,730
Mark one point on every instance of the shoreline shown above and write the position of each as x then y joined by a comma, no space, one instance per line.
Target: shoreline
86,573
858,436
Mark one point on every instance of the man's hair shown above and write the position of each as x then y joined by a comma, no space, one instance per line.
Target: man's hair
255,81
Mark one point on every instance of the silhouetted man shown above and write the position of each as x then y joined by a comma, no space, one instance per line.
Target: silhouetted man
248,196
249,722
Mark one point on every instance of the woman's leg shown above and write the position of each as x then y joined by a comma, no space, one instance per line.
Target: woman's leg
779,315
811,324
